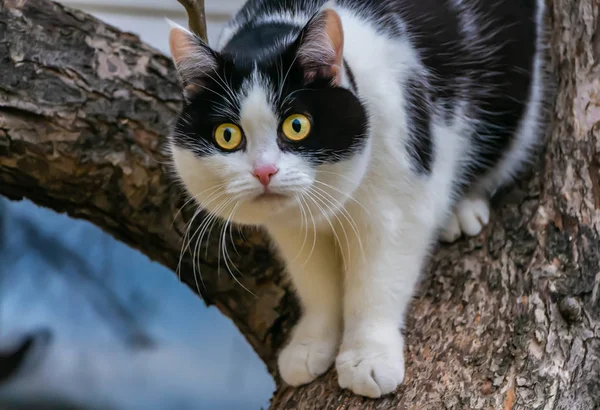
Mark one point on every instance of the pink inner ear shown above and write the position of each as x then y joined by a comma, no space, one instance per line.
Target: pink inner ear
322,47
193,58
181,44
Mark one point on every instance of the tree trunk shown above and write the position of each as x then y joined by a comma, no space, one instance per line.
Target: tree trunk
508,320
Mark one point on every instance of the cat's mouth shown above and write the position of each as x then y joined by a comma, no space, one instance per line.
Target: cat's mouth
270,196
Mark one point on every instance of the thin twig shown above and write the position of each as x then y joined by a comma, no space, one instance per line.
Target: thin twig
196,17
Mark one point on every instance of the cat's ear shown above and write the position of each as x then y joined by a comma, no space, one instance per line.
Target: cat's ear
193,58
321,45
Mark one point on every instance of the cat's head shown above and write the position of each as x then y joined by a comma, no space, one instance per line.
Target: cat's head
269,132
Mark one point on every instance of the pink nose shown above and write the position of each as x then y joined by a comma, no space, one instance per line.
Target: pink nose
264,173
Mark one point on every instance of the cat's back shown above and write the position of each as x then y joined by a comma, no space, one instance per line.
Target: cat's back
266,26
453,37
438,18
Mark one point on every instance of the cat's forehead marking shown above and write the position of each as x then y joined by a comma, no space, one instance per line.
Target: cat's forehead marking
257,114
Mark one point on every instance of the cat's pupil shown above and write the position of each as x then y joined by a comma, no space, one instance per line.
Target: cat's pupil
296,125
227,135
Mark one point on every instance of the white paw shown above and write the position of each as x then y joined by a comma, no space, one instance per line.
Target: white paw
452,230
372,368
470,216
308,355
473,215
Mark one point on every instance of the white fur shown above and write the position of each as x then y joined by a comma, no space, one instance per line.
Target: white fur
316,273
354,234
383,268
470,216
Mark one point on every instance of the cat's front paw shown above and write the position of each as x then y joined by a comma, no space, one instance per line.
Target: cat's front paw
470,216
371,367
309,354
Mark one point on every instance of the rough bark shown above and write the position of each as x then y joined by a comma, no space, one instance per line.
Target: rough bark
508,320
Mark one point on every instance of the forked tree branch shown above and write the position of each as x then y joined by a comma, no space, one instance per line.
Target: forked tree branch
196,17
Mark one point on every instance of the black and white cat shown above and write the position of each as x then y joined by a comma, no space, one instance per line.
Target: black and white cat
358,132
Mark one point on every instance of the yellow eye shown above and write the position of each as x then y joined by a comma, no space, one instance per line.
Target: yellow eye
296,127
228,136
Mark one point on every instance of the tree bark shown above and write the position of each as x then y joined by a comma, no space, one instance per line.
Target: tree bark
507,320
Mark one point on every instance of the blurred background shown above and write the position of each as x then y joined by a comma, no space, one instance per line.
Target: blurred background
147,17
82,308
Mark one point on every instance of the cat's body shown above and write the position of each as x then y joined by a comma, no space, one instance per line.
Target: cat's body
416,111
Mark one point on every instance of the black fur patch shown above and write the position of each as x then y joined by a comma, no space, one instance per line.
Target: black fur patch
265,38
418,118
339,121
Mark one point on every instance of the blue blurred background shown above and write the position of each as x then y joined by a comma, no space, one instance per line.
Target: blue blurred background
67,276
51,267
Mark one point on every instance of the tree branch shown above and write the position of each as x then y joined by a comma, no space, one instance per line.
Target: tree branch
508,320
196,17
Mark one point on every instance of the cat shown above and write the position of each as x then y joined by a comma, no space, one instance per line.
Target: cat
358,133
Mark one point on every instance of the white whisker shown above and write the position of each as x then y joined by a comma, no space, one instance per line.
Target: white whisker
303,224
312,249
182,251
210,220
189,225
343,193
346,216
226,257
286,76
194,197
324,213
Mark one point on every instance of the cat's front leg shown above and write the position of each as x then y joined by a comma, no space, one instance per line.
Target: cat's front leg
312,263
379,284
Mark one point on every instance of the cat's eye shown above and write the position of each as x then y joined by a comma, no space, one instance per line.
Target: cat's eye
228,136
296,127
